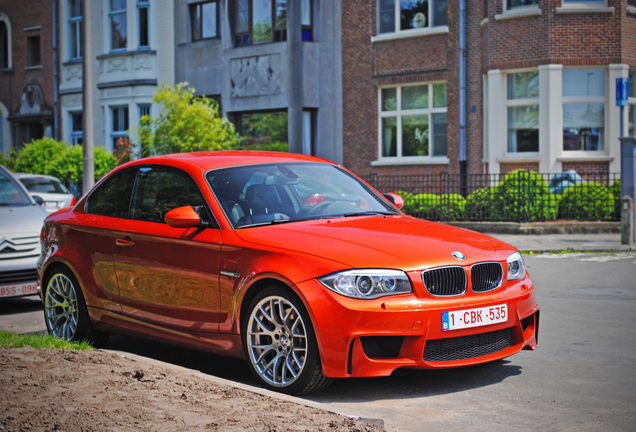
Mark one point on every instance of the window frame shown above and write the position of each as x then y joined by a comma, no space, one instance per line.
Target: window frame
143,5
399,113
397,31
521,102
112,14
5,43
34,51
507,6
75,20
278,33
124,120
192,7
77,136
586,100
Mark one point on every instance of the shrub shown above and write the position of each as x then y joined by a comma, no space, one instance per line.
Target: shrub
479,204
69,165
523,196
38,156
587,201
9,160
452,207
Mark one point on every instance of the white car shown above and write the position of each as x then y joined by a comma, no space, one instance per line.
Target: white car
21,221
49,188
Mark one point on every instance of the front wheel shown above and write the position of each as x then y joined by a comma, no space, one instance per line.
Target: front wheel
65,312
280,343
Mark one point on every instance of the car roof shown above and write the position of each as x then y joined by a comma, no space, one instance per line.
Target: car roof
28,175
222,159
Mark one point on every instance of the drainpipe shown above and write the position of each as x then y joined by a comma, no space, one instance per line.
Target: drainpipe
462,98
55,73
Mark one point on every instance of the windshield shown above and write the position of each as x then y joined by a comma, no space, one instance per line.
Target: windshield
274,193
43,185
10,193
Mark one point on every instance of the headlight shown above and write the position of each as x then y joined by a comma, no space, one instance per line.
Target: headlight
368,284
516,267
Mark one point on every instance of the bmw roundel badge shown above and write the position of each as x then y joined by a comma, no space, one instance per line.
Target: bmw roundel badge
460,256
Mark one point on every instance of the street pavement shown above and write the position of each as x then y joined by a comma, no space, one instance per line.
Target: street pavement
579,242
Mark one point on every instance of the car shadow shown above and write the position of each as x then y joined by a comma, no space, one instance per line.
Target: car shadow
18,305
403,383
411,383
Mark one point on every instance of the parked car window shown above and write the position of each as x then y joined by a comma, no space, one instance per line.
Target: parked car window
159,190
112,198
10,194
44,185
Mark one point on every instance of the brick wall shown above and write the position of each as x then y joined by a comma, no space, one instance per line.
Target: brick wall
39,13
506,168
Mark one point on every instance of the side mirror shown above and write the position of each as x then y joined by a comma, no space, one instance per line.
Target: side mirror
38,199
395,199
182,217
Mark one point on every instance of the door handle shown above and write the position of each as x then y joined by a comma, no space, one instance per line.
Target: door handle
122,242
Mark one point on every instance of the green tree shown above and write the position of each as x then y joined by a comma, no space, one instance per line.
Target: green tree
38,156
186,123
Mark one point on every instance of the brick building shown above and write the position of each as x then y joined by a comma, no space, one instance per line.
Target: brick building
539,85
27,78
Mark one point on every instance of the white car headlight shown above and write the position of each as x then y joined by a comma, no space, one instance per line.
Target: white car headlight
368,283
516,267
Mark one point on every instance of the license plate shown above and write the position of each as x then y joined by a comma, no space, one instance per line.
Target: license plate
19,289
474,317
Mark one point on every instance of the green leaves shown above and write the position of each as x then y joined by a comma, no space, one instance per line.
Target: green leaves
186,124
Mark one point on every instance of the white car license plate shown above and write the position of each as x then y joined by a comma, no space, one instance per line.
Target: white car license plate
19,289
474,317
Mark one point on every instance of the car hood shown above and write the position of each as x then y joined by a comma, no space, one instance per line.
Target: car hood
21,219
399,242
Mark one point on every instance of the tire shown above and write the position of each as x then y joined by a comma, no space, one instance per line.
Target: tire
280,343
65,312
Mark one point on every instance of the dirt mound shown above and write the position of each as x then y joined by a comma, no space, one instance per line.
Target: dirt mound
101,391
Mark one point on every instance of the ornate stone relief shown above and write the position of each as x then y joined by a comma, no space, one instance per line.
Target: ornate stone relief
116,64
255,76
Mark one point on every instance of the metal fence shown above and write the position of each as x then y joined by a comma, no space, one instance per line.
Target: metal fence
519,196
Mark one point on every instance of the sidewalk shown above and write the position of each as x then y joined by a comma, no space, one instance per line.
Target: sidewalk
605,242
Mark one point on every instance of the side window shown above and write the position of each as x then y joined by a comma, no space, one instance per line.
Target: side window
112,198
159,190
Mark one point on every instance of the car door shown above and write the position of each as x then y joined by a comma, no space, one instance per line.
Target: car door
168,277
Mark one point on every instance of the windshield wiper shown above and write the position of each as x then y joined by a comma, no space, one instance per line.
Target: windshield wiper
369,213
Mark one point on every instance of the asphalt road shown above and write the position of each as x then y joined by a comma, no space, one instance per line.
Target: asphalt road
580,378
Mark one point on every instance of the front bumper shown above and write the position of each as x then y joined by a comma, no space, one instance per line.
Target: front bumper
364,338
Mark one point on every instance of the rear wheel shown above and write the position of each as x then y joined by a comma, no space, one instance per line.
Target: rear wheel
65,312
280,343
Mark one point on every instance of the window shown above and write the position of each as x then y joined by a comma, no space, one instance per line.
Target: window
264,21
120,124
404,15
158,190
264,130
523,112
118,25
518,4
631,3
583,109
77,127
5,44
204,20
144,110
307,20
143,23
413,121
75,28
33,51
112,198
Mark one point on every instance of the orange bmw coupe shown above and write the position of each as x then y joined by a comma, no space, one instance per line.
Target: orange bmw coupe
288,261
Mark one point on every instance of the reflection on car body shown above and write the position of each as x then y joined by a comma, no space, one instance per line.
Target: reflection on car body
288,261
